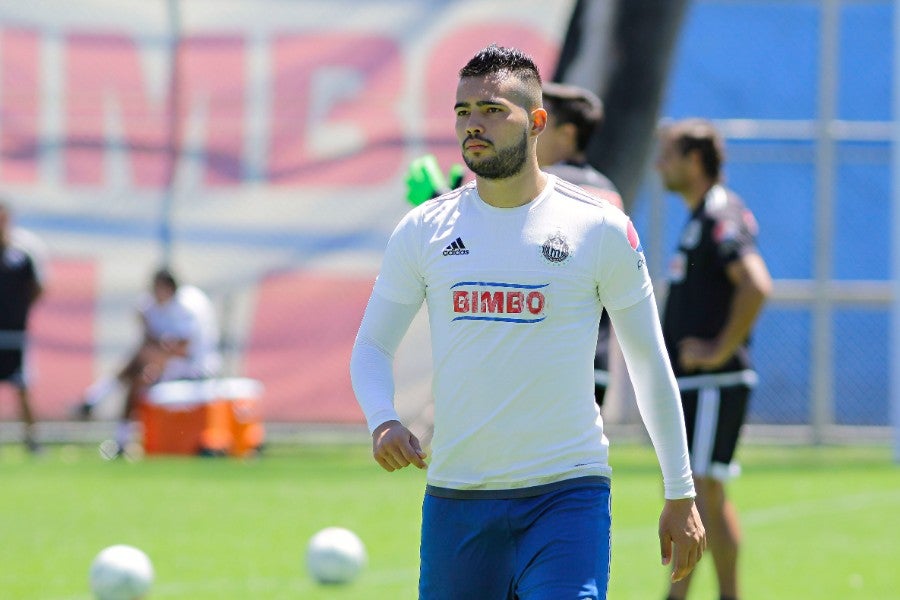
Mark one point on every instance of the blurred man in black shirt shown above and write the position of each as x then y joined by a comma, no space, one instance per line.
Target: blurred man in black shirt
20,287
718,283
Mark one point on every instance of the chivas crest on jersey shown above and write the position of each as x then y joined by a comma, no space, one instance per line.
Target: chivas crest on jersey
555,249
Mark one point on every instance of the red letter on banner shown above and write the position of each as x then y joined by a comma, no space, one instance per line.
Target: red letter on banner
213,75
105,80
335,117
19,76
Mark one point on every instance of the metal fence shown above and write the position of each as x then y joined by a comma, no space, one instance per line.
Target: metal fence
819,184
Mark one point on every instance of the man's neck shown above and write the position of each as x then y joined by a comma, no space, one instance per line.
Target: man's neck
694,195
518,190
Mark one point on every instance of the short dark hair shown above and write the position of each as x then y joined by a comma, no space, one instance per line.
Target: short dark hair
165,277
575,105
700,135
502,60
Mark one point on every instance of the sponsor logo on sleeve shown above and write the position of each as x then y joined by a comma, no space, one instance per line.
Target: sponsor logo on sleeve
633,238
725,232
635,242
750,223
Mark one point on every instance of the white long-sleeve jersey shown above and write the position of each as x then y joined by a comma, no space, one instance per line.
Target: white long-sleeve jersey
514,297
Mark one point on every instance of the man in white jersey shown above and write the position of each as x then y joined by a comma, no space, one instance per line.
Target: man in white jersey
515,268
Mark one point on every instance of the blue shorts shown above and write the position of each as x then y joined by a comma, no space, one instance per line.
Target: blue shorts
554,546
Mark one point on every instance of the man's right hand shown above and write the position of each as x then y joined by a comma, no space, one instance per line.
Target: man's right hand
682,537
394,447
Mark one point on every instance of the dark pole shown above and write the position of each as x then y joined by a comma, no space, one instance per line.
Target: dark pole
173,139
634,75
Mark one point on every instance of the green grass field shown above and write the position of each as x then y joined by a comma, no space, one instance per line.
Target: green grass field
818,523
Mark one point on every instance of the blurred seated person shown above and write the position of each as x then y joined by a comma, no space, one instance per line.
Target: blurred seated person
180,339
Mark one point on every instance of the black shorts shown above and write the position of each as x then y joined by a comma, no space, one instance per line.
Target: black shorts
12,367
713,417
599,394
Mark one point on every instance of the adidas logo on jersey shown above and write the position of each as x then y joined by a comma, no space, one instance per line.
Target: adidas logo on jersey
456,248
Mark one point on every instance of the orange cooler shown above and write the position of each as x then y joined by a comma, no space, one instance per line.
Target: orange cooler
244,416
213,416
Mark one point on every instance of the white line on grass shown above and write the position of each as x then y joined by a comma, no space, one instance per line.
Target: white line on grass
763,517
820,506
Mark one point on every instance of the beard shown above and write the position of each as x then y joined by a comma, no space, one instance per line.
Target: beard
506,163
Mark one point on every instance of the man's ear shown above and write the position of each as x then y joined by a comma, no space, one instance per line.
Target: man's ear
538,120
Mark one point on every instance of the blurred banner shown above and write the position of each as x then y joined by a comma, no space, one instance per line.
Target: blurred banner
259,145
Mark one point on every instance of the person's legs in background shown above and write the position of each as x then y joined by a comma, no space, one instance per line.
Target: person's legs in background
713,420
30,436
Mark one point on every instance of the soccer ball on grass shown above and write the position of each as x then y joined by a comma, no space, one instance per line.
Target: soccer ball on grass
335,555
121,572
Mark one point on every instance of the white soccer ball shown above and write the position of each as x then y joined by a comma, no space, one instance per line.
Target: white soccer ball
335,555
121,572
